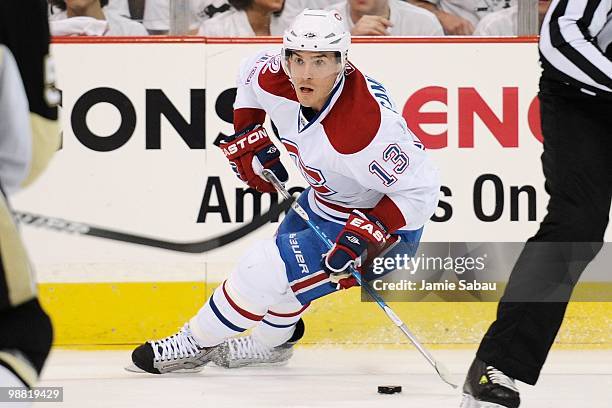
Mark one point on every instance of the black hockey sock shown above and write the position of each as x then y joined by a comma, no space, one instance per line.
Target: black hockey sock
298,333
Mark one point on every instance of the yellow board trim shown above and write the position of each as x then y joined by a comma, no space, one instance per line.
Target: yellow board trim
114,314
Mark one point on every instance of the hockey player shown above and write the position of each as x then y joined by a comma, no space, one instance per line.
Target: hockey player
29,135
371,184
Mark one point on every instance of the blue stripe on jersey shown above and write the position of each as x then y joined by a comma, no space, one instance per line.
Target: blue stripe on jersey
226,322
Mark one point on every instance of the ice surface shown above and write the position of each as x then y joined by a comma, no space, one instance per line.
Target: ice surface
317,377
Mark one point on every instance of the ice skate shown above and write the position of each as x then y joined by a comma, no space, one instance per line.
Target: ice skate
177,353
487,387
248,351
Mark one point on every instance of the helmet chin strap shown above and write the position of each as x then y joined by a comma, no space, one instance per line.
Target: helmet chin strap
338,78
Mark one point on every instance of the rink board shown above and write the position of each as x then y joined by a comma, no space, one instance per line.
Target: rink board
145,164
106,314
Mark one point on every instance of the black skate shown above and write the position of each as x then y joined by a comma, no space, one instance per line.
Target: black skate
177,353
487,387
247,351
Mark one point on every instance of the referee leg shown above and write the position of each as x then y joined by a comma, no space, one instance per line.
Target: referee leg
577,165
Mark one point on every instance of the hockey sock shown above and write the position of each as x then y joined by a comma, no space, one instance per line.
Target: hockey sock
225,314
277,328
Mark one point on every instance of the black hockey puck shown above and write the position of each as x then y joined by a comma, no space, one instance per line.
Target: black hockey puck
389,389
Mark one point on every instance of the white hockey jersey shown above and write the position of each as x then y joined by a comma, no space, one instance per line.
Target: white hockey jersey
357,152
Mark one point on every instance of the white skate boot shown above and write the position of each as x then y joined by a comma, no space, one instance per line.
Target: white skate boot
177,353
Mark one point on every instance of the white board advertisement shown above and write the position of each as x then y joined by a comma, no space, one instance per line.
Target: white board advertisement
139,121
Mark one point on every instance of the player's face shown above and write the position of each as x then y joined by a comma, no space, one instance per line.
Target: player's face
313,75
269,5
367,6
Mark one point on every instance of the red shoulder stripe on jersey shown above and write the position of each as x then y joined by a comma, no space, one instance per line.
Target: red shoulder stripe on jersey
245,117
276,82
241,311
354,119
389,214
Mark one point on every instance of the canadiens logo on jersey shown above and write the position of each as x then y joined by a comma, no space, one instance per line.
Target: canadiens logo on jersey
313,176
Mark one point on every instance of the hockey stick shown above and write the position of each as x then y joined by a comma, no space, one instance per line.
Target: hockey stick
197,247
438,366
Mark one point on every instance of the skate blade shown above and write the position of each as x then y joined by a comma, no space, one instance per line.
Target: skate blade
469,401
132,368
255,365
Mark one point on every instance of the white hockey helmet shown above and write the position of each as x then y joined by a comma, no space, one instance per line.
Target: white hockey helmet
317,30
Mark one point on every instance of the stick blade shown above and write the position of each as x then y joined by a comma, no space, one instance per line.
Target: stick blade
445,375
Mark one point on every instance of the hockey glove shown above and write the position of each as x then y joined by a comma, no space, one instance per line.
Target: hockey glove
361,238
249,153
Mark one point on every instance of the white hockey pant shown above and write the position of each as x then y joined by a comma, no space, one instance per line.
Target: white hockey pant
255,295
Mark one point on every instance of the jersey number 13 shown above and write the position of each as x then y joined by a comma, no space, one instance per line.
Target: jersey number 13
395,155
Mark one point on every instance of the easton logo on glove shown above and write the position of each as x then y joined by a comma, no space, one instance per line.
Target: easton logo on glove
250,152
361,235
353,239
245,142
367,226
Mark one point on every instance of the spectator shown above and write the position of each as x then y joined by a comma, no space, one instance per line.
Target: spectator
459,17
91,17
504,22
295,7
157,14
120,7
133,9
248,18
387,17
